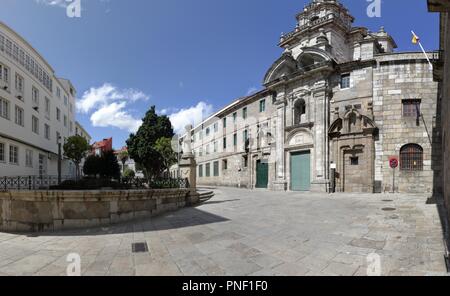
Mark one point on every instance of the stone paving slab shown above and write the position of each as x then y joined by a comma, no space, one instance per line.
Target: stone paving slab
242,232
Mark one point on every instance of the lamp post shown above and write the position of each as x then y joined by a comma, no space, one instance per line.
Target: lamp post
59,160
178,157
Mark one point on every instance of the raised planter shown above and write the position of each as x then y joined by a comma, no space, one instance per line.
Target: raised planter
38,211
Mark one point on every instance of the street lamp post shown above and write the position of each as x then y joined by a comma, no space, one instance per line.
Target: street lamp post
178,157
59,161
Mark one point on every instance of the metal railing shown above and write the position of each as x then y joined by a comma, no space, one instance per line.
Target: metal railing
30,182
48,182
160,183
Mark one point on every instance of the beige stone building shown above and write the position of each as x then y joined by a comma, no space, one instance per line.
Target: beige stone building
337,105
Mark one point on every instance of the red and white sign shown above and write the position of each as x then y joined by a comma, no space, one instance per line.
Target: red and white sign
393,162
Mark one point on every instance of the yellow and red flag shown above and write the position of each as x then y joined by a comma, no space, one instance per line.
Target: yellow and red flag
415,39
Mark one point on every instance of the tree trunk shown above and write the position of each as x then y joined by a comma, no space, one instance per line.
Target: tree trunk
77,171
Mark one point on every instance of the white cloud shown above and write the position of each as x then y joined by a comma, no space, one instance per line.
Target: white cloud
108,105
114,115
64,3
251,91
60,3
106,94
193,115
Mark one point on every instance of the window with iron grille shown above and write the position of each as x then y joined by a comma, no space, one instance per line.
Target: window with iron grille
411,158
411,108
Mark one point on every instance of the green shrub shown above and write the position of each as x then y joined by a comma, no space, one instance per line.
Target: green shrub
129,174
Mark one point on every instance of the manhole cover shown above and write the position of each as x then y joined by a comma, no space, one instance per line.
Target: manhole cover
139,248
389,209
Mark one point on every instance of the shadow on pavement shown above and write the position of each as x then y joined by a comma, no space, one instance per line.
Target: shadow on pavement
218,202
443,216
187,217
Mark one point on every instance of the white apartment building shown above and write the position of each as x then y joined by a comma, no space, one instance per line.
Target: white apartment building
36,109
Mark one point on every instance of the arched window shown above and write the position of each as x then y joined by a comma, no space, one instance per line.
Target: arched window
411,158
299,112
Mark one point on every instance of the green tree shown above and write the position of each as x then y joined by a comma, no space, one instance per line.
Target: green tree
141,146
123,157
75,149
92,165
164,147
109,166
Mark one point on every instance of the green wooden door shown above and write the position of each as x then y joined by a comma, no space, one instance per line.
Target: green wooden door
262,174
301,171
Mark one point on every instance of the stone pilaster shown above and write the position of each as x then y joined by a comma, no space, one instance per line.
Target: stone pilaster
280,183
320,181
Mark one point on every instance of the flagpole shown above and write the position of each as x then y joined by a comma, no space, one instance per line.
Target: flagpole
423,50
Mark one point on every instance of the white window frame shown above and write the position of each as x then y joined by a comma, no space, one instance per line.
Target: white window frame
19,120
35,95
4,74
4,108
47,107
19,83
47,131
14,154
2,152
35,124
29,158
349,80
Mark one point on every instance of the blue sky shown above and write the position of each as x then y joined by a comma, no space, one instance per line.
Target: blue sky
187,57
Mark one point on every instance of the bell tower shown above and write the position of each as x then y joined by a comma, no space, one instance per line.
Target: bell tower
322,21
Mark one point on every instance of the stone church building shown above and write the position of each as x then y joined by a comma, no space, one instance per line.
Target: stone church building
336,107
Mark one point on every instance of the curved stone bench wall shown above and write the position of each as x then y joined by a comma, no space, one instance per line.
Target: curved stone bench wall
32,211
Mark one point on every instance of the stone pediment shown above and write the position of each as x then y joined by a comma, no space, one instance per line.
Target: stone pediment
283,67
352,123
300,137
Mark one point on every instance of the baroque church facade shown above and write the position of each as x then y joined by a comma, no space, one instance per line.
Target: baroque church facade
336,107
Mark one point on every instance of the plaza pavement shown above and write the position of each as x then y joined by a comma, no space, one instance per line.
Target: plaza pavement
242,232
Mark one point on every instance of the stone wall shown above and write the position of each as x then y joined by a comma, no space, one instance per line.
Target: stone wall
446,105
31,211
399,77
